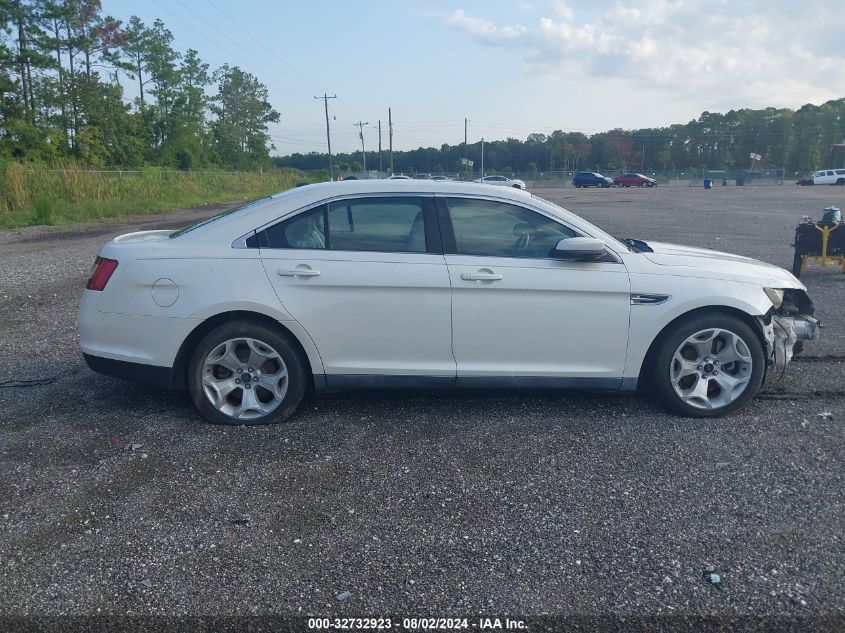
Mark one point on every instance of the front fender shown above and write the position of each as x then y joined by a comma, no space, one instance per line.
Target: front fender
686,294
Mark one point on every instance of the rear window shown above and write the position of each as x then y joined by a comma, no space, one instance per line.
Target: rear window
214,218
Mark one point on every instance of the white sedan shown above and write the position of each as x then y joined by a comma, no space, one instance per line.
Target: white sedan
423,284
502,181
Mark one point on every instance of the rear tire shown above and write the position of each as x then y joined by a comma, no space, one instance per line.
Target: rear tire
840,182
726,385
267,381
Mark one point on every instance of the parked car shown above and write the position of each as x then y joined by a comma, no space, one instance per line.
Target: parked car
502,181
441,178
634,180
372,283
590,179
829,177
398,177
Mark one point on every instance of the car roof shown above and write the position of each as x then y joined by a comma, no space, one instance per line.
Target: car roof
301,197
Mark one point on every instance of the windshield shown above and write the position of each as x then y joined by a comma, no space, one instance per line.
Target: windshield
214,218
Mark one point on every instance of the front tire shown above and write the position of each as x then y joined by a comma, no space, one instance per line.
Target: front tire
797,265
245,372
708,366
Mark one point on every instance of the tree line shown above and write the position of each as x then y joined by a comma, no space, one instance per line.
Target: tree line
799,140
63,66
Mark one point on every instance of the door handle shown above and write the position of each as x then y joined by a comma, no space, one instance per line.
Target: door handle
298,272
481,275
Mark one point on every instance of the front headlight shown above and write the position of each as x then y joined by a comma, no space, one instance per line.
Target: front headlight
775,295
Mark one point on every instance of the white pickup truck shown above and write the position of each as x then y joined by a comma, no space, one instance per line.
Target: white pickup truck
829,177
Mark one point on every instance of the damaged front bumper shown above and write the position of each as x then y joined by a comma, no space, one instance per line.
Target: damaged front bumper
785,329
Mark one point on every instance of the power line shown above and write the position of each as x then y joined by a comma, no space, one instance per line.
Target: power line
286,76
302,77
217,44
293,140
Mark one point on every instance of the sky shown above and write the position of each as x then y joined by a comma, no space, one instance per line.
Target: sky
511,68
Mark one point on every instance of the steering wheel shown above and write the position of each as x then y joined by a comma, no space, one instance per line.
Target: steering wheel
523,239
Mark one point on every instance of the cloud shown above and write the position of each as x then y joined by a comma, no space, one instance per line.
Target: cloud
564,10
484,30
754,53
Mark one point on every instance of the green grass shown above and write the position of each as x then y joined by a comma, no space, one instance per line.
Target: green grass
31,196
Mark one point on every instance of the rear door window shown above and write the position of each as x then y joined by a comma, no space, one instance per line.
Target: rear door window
388,225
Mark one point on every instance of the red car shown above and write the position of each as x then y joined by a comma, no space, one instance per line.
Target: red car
634,180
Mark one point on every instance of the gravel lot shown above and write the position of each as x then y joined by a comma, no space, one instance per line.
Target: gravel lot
119,499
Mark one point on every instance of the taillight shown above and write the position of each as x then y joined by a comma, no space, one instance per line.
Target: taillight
103,269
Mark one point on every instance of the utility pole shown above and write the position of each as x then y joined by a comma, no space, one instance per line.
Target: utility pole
325,99
360,126
390,129
379,148
466,155
482,158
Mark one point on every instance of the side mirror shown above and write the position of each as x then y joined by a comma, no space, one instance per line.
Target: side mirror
579,249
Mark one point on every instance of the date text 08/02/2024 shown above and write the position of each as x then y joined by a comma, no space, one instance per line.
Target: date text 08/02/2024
481,624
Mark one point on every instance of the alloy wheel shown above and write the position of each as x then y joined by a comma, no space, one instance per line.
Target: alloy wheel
711,368
244,378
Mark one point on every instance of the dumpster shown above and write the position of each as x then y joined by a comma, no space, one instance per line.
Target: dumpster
708,183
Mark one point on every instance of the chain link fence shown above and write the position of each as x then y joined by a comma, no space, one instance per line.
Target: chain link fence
563,178
684,178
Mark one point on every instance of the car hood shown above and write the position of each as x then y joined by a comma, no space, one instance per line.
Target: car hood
716,264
